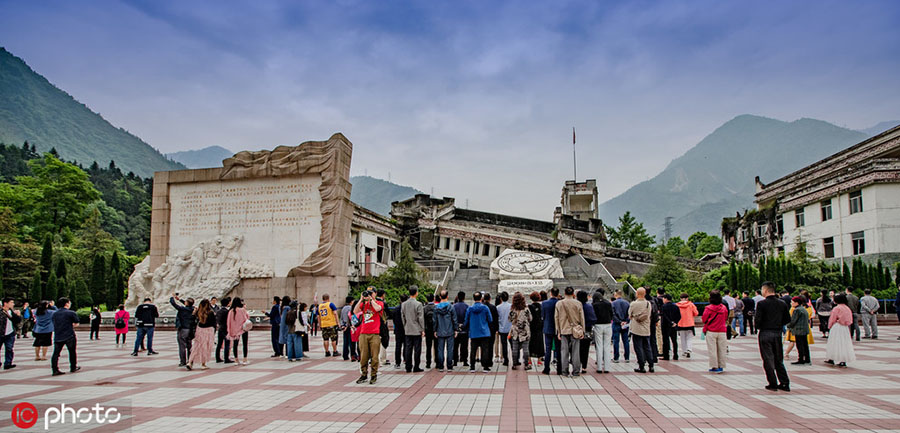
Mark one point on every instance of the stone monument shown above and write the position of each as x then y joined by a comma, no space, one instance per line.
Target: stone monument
266,223
525,271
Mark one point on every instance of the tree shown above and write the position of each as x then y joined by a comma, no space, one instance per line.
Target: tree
887,279
694,240
846,277
897,275
2,292
36,295
665,270
98,279
879,277
732,276
82,295
63,191
50,292
46,259
116,285
399,278
61,270
630,234
709,245
763,276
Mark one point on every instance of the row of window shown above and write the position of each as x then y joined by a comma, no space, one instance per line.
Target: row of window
477,248
856,206
858,240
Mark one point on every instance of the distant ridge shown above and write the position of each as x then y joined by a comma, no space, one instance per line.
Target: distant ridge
207,157
880,127
377,195
33,109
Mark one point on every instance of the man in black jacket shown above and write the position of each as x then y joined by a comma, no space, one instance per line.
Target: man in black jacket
749,313
430,347
8,321
494,325
184,324
771,315
145,321
671,314
222,324
399,332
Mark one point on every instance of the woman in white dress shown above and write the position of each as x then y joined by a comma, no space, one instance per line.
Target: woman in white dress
839,349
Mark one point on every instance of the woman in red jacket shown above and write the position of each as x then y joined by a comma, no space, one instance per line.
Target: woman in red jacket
715,316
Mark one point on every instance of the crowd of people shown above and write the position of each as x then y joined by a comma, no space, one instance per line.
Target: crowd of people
554,331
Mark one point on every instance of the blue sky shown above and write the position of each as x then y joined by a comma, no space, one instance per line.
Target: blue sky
473,99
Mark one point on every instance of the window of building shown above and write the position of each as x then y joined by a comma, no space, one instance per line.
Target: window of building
856,204
446,243
826,210
779,222
800,217
761,230
828,244
485,249
743,235
496,251
468,244
381,252
456,247
859,243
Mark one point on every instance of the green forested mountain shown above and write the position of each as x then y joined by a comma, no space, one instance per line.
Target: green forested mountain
377,195
715,178
34,110
207,157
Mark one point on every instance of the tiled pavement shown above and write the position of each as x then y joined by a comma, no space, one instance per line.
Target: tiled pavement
320,394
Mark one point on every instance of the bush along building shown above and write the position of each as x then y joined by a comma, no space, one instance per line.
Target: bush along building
843,209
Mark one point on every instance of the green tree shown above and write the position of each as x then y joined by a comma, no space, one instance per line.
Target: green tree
36,295
46,259
81,294
50,292
63,191
763,276
2,291
62,270
62,288
732,276
665,270
846,277
630,234
399,278
98,279
116,285
897,275
709,245
887,279
879,276
694,240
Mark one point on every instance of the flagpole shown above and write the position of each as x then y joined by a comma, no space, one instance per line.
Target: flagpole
574,159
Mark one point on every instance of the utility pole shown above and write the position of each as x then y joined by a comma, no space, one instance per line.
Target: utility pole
667,227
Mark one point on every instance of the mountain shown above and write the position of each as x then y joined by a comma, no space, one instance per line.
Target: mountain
880,127
714,179
207,157
33,109
377,195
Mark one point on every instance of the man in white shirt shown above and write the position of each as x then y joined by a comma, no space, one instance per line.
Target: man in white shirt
868,308
757,298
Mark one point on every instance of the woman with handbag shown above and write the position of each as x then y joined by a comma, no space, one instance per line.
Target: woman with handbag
715,324
239,325
204,335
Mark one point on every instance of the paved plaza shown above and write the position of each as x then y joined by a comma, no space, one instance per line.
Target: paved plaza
320,394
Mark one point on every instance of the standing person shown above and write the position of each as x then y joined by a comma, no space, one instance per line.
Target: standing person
671,316
639,312
771,316
738,322
314,318
204,335
328,321
868,306
399,332
504,325
654,326
590,319
383,332
494,324
27,320
799,328
519,318
120,321
283,326
222,337
685,328
536,343
620,326
445,326
8,331
551,338
429,329
43,330
413,315
749,312
145,323
569,331
853,305
349,348
95,323
64,323
603,332
214,304
296,328
238,331
184,325
371,313
823,311
839,349
461,341
478,319
274,316
715,325
757,298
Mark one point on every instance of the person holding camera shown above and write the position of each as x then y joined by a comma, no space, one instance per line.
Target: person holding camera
371,313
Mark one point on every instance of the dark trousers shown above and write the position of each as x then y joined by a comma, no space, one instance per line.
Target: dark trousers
222,341
430,348
412,347
8,341
770,348
57,350
748,319
654,349
461,348
483,343
551,343
584,350
670,341
276,346
618,332
643,350
802,344
95,330
243,339
123,338
184,344
398,348
139,340
854,328
350,350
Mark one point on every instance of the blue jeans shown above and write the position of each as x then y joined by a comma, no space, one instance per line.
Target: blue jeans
294,346
616,335
141,332
8,341
551,343
444,345
738,322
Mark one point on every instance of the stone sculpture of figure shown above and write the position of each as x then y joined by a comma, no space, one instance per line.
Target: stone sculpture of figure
230,253
140,282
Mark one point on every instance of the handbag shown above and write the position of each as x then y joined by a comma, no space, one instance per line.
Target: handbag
247,326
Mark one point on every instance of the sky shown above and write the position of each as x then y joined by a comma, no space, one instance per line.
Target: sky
473,100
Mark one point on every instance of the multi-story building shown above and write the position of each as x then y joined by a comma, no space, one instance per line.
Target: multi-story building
844,206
